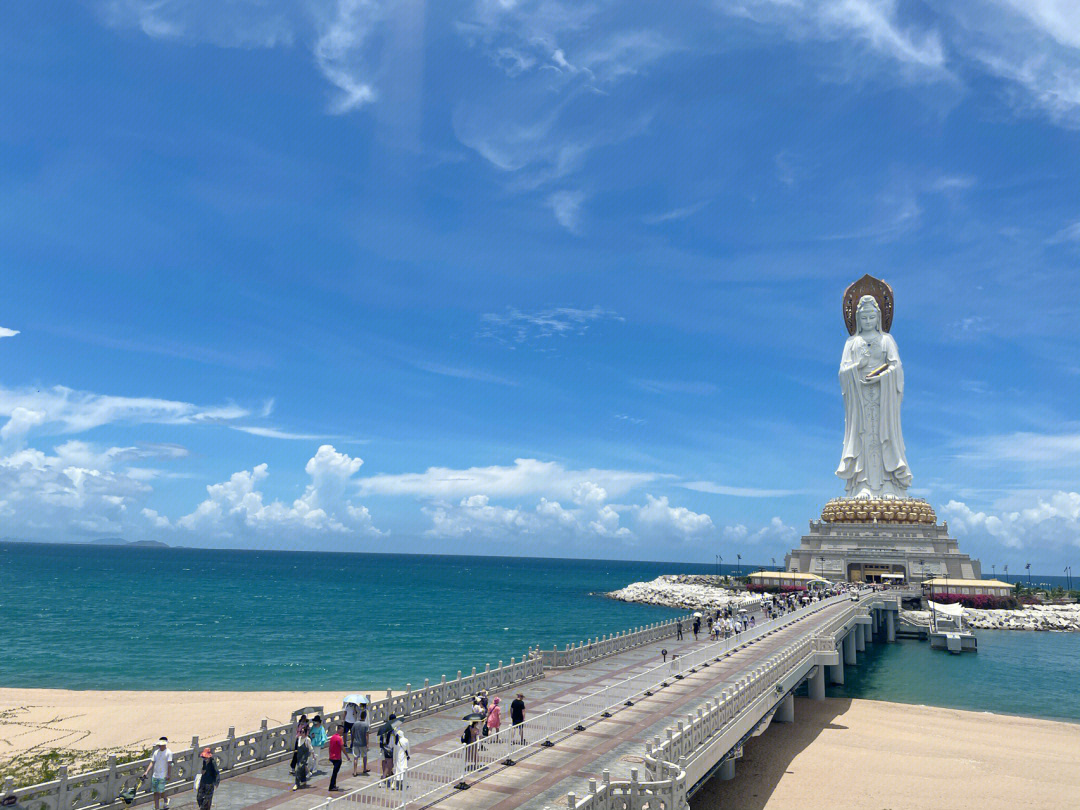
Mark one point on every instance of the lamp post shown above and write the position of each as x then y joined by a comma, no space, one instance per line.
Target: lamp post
739,566
1007,574
1028,567
994,567
774,564
1068,573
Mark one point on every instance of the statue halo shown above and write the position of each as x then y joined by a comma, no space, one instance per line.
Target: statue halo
868,285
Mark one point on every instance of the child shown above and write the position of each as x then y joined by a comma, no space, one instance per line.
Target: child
318,741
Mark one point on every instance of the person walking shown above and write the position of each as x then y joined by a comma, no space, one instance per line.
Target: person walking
352,712
161,767
318,742
517,716
697,628
301,731
678,631
334,748
361,729
401,758
494,719
208,780
386,745
302,756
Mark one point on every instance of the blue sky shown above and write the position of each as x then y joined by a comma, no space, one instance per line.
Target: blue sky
531,277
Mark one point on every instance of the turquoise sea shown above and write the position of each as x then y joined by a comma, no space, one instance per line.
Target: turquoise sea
92,617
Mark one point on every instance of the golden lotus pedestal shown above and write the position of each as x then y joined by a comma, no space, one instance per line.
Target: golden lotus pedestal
883,540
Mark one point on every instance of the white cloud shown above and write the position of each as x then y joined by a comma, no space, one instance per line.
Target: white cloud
1050,521
527,476
339,51
738,492
774,532
237,509
69,411
1028,448
674,213
274,433
566,205
657,518
75,491
515,326
1070,233
5,332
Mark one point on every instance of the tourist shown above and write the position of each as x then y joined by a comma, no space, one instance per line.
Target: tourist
697,627
301,731
208,780
401,758
334,747
678,631
302,756
468,737
352,711
386,745
360,730
318,741
494,718
517,714
161,766
753,621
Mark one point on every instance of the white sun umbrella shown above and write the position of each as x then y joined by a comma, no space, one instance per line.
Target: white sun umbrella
697,614
359,700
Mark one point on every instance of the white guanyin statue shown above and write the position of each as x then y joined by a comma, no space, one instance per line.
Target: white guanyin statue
874,461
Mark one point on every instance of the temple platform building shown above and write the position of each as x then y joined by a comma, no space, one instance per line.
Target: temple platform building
894,541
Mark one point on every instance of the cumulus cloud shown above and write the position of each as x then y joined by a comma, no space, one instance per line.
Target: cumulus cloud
527,476
70,411
5,332
1059,450
657,518
75,491
237,508
775,531
1046,521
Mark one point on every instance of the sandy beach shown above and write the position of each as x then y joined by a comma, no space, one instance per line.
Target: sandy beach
35,720
872,755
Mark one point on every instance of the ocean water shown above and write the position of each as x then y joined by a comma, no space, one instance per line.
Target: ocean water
1025,673
93,617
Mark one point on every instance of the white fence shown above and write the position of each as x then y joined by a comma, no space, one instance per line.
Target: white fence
238,754
424,781
601,647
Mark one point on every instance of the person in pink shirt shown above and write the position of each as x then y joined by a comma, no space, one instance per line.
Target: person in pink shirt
494,718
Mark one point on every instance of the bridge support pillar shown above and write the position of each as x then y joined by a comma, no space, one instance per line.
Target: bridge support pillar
785,712
849,648
860,638
890,626
836,673
727,769
816,684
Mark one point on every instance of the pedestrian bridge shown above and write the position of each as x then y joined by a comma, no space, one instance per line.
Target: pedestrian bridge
612,724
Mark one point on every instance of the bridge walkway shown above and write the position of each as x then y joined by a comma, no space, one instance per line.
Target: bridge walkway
543,777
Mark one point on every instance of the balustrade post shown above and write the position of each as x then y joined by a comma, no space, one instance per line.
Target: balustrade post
262,749
193,756
9,784
571,800
112,787
230,748
63,801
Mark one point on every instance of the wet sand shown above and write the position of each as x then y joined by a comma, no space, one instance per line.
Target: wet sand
871,755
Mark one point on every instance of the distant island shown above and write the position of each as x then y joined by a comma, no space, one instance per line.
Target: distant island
100,541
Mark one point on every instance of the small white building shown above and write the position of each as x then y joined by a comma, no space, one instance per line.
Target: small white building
787,579
966,587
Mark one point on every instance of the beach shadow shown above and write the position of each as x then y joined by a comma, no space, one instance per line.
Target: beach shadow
767,758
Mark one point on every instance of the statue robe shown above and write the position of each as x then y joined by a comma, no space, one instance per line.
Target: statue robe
893,454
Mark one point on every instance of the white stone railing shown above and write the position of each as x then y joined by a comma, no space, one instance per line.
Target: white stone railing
601,647
665,759
239,754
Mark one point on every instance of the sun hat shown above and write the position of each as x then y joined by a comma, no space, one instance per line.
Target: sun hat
206,753
163,741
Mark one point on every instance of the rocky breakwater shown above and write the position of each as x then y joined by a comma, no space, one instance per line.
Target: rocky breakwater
1060,618
689,591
